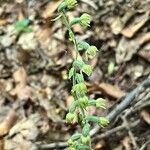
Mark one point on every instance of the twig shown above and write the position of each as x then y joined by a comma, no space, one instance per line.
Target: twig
124,104
53,145
145,145
114,130
135,145
90,3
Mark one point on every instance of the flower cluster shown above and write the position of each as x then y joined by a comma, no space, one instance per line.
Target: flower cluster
80,68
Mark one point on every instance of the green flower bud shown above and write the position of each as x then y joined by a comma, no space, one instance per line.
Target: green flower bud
71,72
85,20
100,103
72,148
82,147
70,3
71,36
103,121
91,51
111,67
87,69
74,21
79,77
70,117
73,107
86,129
79,88
70,142
92,119
85,139
76,136
83,45
83,101
61,7
78,63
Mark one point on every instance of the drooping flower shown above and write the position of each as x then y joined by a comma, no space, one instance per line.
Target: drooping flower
100,103
70,117
87,69
70,3
103,121
85,20
91,51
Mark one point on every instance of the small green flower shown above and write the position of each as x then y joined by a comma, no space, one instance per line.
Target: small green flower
70,3
72,144
91,51
70,117
85,139
103,121
87,69
85,20
80,88
100,103
83,101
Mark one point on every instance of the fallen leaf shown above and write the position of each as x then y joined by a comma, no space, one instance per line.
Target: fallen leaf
22,90
119,23
3,22
145,113
100,145
43,35
127,143
1,144
50,8
135,26
111,90
20,76
69,101
125,49
7,124
144,38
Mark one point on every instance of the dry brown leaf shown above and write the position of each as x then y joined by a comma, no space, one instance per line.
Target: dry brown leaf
145,38
22,90
20,76
145,113
119,23
130,30
1,144
69,101
99,145
43,36
145,54
111,90
126,49
127,143
50,8
7,124
3,22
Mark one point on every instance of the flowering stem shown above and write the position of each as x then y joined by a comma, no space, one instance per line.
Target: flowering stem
76,49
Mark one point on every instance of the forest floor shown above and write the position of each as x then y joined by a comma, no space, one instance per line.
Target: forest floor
35,56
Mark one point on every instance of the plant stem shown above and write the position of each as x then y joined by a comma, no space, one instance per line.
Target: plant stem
76,49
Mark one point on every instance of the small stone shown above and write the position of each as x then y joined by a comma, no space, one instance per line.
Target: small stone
27,41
